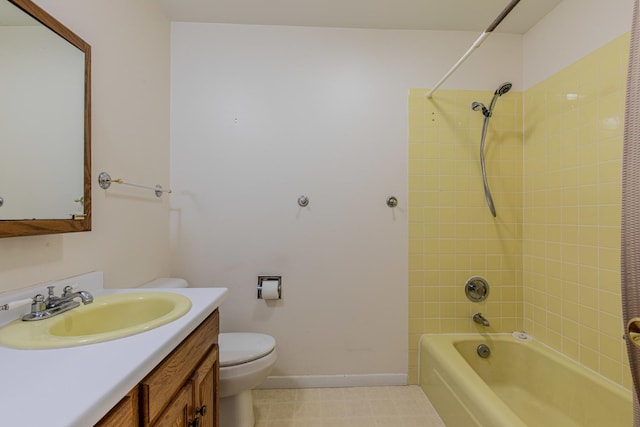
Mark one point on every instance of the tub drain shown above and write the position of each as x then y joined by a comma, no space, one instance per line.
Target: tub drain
483,351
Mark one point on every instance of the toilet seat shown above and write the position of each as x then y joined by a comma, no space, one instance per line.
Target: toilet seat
237,348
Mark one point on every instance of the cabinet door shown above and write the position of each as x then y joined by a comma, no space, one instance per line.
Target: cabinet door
179,413
205,380
158,388
124,414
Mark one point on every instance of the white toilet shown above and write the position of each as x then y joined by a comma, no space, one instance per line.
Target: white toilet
246,359
245,362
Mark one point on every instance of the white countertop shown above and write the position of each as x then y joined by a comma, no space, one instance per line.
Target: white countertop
77,386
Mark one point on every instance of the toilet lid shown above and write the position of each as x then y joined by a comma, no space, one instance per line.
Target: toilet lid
242,347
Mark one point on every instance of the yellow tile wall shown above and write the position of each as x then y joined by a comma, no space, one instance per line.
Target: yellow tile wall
452,234
552,256
571,210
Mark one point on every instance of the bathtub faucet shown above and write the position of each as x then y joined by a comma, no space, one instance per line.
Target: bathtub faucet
479,318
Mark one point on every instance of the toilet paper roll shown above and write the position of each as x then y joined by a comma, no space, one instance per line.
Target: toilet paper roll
270,289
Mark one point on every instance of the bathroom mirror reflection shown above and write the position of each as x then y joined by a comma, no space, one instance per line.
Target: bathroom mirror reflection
44,124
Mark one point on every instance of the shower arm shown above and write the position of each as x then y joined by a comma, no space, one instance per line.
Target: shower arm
475,45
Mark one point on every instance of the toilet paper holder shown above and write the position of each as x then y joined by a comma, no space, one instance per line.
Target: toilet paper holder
263,280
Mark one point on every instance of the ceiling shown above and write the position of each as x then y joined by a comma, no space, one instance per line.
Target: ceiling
460,15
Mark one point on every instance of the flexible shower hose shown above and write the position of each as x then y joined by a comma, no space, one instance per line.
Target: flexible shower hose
487,191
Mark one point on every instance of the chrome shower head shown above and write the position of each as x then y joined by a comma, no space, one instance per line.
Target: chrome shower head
503,88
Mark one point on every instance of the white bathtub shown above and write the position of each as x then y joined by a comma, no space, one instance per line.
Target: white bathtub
521,384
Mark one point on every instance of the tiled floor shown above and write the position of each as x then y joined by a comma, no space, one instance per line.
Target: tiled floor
400,406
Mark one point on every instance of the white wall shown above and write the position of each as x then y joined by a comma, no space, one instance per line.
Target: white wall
261,115
572,30
130,237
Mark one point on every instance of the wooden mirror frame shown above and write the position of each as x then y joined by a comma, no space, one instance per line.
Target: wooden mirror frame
13,228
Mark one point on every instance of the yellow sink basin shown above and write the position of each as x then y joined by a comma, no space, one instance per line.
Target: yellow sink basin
108,317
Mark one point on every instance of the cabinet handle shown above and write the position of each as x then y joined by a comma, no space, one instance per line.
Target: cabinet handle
194,423
202,410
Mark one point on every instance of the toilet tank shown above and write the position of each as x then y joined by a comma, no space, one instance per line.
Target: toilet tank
166,282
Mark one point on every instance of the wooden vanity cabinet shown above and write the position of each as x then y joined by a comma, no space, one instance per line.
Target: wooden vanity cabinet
194,405
206,389
124,414
180,412
182,390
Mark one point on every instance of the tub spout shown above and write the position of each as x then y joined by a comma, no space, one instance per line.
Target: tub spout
479,318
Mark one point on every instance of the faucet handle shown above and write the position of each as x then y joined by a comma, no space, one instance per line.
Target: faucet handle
69,289
38,305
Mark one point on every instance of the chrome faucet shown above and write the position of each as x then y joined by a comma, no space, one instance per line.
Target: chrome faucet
67,295
479,318
42,308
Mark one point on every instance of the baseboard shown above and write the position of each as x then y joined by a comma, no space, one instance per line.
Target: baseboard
318,381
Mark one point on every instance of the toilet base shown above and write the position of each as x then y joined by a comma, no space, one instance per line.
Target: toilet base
237,410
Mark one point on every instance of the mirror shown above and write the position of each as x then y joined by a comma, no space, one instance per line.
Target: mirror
45,128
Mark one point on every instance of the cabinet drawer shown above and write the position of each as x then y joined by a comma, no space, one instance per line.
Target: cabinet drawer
159,387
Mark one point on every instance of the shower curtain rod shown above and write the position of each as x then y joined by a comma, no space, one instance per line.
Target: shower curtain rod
476,44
